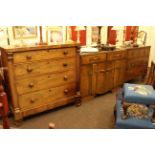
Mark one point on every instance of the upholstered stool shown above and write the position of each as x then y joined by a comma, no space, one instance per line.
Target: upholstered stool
129,122
137,93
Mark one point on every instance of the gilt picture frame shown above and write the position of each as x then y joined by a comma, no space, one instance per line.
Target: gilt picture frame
25,32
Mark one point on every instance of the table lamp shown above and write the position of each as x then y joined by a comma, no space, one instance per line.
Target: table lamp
78,29
119,37
69,34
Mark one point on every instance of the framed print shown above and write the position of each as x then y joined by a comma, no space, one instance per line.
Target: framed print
4,36
24,32
56,34
95,35
92,34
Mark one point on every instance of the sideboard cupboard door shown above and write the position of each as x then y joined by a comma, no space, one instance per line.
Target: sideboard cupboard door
100,78
86,80
119,74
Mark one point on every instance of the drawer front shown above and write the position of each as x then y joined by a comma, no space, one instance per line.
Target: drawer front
32,100
95,58
44,67
43,54
137,53
34,83
116,55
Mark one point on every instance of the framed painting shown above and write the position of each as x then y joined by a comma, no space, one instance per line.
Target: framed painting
93,35
25,32
56,34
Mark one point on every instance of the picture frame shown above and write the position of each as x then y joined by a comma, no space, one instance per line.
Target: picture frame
25,32
92,35
95,35
56,34
4,36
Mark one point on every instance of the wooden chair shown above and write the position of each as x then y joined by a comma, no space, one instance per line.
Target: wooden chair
150,76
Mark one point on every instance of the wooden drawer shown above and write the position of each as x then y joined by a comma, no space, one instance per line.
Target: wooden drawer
43,54
49,96
94,58
34,83
116,55
137,53
42,67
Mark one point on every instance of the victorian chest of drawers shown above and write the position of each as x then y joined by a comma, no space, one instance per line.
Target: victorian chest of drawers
41,78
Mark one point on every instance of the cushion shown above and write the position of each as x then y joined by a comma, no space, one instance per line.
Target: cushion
139,111
140,94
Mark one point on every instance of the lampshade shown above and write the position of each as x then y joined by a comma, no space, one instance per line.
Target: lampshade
118,28
54,28
79,28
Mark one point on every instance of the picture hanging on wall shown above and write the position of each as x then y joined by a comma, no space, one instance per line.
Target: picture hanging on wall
95,35
25,32
55,34
4,36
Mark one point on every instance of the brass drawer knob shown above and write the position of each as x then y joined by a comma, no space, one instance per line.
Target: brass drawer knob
65,52
31,85
29,69
32,100
66,91
65,64
65,78
29,57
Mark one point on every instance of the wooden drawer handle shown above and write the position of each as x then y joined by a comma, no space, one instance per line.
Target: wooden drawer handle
65,78
66,91
65,52
29,69
65,64
29,57
31,85
32,100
